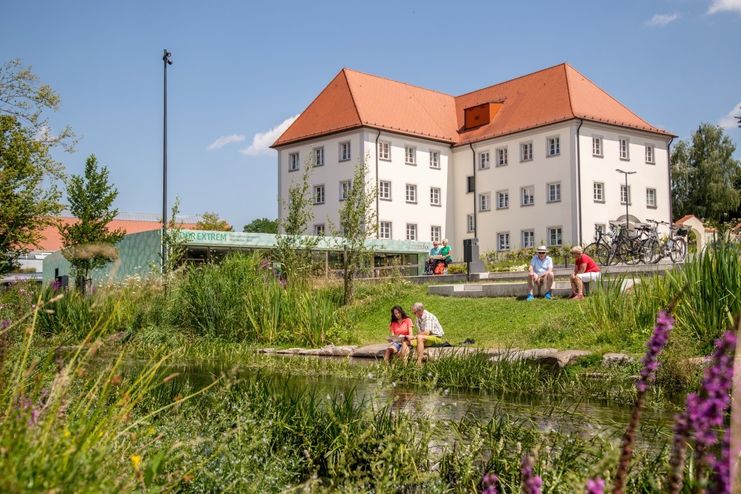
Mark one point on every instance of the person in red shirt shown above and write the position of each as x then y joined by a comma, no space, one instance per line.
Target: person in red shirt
401,332
585,270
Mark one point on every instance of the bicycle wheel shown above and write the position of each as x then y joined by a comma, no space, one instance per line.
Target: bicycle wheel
679,250
599,252
651,251
629,252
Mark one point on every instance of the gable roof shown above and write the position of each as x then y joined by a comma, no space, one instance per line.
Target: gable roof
354,99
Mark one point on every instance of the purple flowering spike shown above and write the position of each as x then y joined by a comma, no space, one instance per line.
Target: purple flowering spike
491,484
595,486
531,483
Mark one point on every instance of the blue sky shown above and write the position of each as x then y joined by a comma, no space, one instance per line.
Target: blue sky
242,68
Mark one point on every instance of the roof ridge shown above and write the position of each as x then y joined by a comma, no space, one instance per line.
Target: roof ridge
398,82
352,95
510,80
568,88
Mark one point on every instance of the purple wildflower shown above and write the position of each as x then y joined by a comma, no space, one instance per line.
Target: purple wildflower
595,486
4,324
491,484
664,324
531,483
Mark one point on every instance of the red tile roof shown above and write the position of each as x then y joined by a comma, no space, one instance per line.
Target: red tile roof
354,99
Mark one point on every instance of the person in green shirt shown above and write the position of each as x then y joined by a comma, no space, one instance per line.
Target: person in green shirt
445,253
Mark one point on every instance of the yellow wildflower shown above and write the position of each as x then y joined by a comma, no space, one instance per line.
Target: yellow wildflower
136,460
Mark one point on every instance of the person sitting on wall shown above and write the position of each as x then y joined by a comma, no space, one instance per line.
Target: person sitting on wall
540,272
433,258
429,331
445,253
401,332
585,270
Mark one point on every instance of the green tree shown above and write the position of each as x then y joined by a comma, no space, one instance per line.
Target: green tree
174,243
26,204
88,244
211,221
705,175
262,225
357,216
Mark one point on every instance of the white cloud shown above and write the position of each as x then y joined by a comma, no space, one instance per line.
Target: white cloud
262,140
662,19
224,140
730,121
725,6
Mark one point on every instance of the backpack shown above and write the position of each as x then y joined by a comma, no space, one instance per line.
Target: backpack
439,268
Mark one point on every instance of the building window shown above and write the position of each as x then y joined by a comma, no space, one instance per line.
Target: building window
345,151
319,194
411,194
319,156
554,192
293,162
650,154
485,202
434,196
385,229
625,194
526,151
599,229
554,236
528,239
598,189
651,198
436,233
553,146
384,150
527,195
345,187
384,190
501,156
411,231
484,162
597,146
624,148
503,241
435,160
503,199
319,229
470,226
470,184
410,155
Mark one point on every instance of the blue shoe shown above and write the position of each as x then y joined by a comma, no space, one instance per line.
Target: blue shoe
530,298
548,295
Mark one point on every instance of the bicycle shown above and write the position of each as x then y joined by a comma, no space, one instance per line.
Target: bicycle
674,246
604,249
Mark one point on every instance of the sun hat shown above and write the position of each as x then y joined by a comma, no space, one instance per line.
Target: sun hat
542,248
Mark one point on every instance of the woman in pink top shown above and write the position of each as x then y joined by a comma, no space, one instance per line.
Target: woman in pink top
400,332
585,270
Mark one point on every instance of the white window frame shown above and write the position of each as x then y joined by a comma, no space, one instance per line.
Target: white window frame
411,231
624,148
503,199
527,237
293,162
548,197
383,225
650,191
503,241
598,192
319,229
410,193
384,150
650,154
501,155
435,196
384,184
344,151
410,155
345,188
435,160
527,191
597,148
319,192
549,235
484,160
484,202
623,195
436,233
553,146
318,153
526,151
470,227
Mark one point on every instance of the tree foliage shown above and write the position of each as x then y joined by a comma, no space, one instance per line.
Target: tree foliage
88,244
174,243
357,215
705,176
261,225
211,221
26,204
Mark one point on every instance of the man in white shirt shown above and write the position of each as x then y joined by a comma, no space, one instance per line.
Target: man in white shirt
540,271
429,331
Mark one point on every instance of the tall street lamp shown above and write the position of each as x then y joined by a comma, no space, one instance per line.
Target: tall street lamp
166,60
627,196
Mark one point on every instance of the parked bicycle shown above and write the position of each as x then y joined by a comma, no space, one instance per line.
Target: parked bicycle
674,246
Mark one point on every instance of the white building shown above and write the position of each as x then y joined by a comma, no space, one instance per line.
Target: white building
528,161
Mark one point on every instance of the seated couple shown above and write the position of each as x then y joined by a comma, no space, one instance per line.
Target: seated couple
438,256
540,272
429,332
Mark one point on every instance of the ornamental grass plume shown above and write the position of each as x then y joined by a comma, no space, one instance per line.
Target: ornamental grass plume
531,483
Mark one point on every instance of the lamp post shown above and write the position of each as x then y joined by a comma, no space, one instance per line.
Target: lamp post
166,60
627,196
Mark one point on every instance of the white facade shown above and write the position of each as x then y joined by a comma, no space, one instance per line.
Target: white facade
545,193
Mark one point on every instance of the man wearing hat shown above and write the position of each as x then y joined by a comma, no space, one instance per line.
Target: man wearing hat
540,271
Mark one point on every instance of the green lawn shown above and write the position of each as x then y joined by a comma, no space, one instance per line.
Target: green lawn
489,321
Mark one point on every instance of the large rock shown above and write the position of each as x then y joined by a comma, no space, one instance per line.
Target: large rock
435,353
375,350
615,359
563,358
